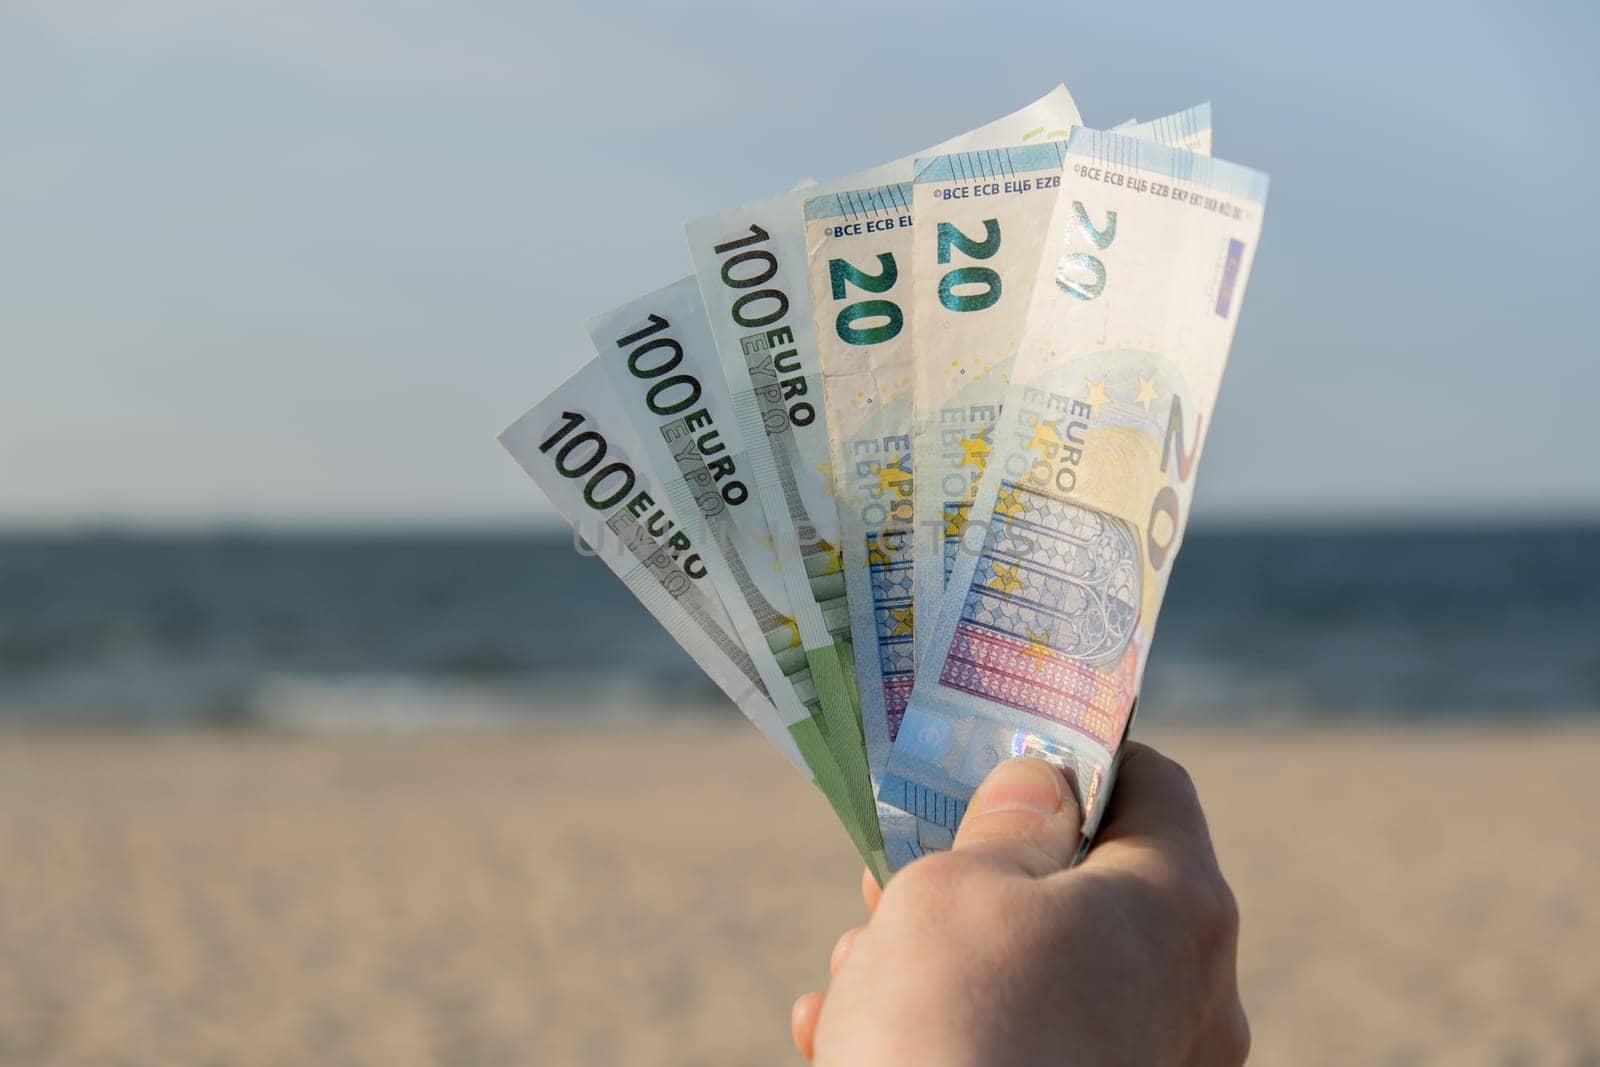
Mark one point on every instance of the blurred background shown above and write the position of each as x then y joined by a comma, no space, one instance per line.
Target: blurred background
320,743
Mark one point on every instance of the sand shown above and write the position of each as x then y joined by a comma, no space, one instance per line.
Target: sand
179,899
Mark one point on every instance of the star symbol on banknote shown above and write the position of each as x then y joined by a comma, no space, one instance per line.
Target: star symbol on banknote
902,619
1005,579
876,556
826,470
1147,391
834,554
954,523
1008,502
1097,393
1045,438
787,623
974,450
1038,648
892,475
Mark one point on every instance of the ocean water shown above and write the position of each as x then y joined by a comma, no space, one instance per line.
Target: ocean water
464,631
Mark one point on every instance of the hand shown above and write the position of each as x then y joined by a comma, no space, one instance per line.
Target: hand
996,953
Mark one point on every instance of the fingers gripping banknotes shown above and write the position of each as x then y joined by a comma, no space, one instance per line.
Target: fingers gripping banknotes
1041,641
580,448
751,266
982,223
659,357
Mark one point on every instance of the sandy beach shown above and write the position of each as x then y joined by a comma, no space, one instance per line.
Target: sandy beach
660,898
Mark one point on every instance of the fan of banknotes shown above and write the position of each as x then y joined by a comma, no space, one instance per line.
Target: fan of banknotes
905,462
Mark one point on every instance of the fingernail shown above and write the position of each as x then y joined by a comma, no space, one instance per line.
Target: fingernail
1021,784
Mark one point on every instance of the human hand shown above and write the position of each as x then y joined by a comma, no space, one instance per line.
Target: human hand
996,953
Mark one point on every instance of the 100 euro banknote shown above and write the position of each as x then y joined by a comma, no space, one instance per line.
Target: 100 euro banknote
982,220
1042,636
581,450
659,357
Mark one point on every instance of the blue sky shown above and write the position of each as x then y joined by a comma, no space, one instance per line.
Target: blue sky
300,261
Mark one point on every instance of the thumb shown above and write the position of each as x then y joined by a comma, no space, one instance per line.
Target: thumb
1024,817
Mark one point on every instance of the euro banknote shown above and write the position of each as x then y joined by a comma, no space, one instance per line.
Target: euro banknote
855,243
750,263
858,245
659,357
974,256
580,448
1042,637
1043,309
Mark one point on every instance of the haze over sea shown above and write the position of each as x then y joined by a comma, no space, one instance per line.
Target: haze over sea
496,629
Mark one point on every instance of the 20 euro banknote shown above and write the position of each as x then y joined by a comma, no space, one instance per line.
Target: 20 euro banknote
855,243
1042,636
982,226
859,247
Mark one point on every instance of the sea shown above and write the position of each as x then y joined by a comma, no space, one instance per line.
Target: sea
497,629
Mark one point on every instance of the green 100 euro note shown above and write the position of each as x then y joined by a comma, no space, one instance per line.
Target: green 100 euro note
1042,636
658,355
579,447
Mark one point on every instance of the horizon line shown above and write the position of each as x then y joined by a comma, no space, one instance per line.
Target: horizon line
544,527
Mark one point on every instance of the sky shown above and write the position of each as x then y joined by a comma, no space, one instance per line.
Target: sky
298,262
